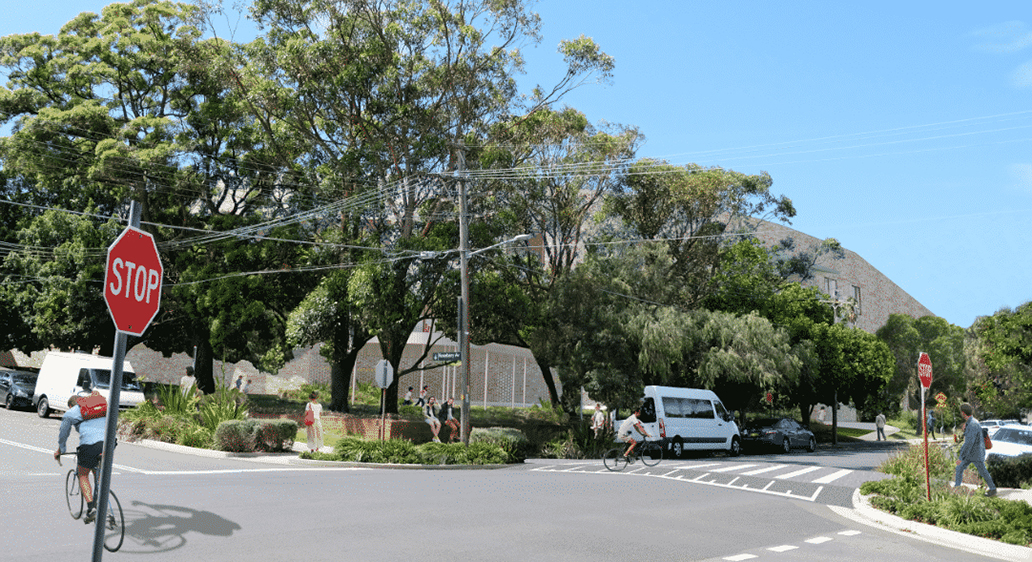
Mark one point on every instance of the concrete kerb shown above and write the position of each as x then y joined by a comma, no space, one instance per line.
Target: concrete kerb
292,459
863,512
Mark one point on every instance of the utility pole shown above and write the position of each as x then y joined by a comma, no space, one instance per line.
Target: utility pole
464,355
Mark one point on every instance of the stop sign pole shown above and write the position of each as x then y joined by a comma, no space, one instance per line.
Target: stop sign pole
924,372
132,290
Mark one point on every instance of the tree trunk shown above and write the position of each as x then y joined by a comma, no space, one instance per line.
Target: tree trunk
546,372
205,364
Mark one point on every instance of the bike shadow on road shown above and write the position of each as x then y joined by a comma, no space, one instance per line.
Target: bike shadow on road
154,528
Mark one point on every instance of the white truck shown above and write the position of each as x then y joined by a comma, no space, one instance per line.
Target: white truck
64,375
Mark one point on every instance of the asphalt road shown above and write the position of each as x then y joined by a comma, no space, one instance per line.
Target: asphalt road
182,507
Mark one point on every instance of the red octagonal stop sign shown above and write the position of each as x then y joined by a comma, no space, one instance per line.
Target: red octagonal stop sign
132,281
924,369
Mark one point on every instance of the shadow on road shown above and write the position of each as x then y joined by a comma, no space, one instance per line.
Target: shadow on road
153,528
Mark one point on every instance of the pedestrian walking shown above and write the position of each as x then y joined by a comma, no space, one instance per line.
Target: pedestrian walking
930,422
879,423
972,451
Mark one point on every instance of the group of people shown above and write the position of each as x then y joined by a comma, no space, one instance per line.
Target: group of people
432,414
188,383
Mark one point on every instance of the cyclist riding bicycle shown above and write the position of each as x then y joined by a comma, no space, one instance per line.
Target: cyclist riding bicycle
627,429
91,446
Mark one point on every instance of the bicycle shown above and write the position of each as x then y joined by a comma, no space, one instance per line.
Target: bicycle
114,523
648,452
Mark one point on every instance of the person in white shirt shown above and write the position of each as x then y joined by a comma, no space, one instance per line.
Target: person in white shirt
598,419
627,429
188,384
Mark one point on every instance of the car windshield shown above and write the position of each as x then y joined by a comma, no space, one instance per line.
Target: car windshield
763,422
129,381
1018,436
27,378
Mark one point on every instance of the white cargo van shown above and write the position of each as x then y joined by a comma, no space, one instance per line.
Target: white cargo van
689,419
65,374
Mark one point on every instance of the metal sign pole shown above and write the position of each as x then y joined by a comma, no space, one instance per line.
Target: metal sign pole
111,431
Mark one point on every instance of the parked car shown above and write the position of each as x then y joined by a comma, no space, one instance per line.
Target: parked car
993,425
1010,441
783,433
16,388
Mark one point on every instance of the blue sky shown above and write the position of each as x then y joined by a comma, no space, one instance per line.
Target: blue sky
903,129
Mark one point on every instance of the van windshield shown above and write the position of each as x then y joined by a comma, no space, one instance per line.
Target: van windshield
103,378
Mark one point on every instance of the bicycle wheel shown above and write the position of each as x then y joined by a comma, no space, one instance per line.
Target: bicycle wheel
114,524
614,459
73,494
651,453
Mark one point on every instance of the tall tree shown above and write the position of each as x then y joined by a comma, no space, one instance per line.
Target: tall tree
377,92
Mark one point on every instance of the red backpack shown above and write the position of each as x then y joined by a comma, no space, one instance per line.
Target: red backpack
92,406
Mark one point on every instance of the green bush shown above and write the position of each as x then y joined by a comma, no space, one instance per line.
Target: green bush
224,404
910,463
175,402
1012,472
273,435
400,451
196,436
234,436
395,451
512,441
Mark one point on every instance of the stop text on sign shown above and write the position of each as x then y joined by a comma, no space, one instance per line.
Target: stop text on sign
139,281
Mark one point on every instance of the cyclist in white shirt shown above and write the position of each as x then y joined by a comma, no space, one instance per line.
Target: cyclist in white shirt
627,429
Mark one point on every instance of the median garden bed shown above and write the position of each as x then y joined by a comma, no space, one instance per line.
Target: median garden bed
958,509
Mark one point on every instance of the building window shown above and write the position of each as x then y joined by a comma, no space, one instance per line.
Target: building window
856,297
831,287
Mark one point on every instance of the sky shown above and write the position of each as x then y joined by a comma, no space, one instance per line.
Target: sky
902,129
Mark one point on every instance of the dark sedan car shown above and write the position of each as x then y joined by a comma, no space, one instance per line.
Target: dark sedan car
16,388
782,433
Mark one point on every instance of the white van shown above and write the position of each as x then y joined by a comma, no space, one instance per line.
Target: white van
689,419
66,374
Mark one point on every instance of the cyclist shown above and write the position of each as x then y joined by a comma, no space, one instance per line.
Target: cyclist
91,446
627,429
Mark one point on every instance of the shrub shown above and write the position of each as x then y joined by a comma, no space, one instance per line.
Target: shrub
273,435
234,436
196,436
396,451
224,404
910,463
175,402
1010,472
512,441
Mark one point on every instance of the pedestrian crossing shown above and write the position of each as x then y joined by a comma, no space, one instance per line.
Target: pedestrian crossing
831,485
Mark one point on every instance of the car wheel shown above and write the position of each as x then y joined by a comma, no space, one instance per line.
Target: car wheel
786,447
677,448
43,407
812,446
736,447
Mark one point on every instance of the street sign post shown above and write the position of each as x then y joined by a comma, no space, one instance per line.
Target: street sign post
132,291
384,377
924,372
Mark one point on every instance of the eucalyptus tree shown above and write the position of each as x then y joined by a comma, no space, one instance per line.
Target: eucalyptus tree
1000,358
377,94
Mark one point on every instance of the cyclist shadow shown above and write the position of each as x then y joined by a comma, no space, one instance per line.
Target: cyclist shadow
152,528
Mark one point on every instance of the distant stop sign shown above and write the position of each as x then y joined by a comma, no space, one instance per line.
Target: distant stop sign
924,369
132,281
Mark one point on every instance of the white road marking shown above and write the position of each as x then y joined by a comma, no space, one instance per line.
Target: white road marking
832,477
798,472
782,548
818,540
762,470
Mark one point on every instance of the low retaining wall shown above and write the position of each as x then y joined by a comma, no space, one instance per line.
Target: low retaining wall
370,428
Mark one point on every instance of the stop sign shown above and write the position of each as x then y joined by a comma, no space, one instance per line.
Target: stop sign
924,369
132,281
